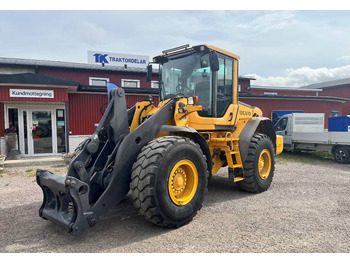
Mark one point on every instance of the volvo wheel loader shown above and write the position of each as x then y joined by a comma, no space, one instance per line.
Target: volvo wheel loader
166,153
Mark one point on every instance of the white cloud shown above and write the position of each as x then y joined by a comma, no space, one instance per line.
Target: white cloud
344,58
303,76
270,21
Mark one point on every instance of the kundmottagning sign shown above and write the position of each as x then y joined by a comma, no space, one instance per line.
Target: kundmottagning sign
30,93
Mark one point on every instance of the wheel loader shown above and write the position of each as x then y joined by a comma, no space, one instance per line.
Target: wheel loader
165,154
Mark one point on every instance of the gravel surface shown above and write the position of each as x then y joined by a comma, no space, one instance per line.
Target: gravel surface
307,209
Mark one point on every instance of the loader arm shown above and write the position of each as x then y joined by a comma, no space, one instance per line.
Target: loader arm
99,174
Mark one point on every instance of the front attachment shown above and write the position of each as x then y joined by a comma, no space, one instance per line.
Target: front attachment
66,202
99,174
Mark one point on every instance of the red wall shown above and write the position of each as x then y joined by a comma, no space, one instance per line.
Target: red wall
2,120
283,93
245,84
82,75
342,91
60,94
268,105
84,110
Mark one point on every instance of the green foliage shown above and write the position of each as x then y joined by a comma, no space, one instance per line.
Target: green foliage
304,157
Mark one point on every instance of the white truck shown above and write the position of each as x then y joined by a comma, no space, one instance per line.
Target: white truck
305,131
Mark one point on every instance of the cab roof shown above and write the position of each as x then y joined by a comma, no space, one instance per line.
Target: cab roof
186,48
219,50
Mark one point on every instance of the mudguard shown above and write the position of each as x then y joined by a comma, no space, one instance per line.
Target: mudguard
196,137
256,125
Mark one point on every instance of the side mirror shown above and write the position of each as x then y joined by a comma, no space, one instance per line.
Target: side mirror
214,61
149,73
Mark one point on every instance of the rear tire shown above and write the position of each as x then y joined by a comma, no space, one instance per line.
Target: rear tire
342,155
259,166
169,181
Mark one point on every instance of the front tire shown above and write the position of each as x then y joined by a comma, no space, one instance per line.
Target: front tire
169,181
259,166
342,155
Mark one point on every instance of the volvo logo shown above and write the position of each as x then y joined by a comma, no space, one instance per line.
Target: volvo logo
245,113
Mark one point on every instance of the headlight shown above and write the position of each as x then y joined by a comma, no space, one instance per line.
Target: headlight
192,100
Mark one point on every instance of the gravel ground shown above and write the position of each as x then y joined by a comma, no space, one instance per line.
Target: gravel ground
306,210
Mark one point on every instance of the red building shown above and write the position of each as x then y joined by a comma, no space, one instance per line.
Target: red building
338,88
318,98
53,106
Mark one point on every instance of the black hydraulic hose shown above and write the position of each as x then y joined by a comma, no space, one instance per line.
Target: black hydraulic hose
143,109
102,106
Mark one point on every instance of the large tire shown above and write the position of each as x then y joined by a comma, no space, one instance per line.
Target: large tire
342,155
259,166
169,181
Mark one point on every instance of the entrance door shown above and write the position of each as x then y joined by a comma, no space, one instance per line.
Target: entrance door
39,132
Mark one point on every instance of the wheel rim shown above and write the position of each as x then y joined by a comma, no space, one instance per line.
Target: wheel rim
264,165
340,155
183,182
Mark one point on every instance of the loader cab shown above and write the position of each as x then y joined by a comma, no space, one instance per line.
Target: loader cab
199,71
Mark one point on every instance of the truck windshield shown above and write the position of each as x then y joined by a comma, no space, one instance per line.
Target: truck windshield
188,75
282,124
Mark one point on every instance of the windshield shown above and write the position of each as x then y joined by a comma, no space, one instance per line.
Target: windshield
188,75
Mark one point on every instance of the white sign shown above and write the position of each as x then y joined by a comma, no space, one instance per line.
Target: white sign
29,93
115,59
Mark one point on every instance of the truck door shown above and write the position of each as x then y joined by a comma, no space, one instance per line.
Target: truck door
282,128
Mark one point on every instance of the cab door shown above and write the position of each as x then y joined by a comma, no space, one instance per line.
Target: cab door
282,129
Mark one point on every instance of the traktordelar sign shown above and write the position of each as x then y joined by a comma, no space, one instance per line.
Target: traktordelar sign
116,59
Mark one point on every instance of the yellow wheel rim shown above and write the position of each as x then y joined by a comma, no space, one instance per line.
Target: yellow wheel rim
183,182
264,164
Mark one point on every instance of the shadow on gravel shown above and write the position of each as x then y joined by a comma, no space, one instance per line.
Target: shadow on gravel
222,189
24,231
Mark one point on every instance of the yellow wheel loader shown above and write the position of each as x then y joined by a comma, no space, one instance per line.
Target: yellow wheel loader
166,154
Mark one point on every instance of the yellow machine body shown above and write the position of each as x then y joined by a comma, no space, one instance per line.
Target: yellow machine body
234,120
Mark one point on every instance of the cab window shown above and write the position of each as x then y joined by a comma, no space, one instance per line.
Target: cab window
225,85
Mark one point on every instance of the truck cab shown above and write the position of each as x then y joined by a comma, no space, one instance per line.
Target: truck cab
283,128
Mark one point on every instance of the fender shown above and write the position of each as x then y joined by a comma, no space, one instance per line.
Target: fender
261,125
196,137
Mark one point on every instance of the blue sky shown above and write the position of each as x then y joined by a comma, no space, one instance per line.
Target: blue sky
283,48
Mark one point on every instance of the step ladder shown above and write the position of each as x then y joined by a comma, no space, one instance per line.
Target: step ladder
233,150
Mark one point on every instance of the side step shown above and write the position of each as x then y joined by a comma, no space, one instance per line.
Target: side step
232,165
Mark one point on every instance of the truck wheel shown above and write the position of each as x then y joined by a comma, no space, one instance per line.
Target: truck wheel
169,181
342,155
259,166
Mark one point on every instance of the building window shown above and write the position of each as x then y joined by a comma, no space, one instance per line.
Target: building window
130,83
154,84
98,81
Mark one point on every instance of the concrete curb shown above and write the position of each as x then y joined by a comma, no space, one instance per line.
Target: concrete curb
35,161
